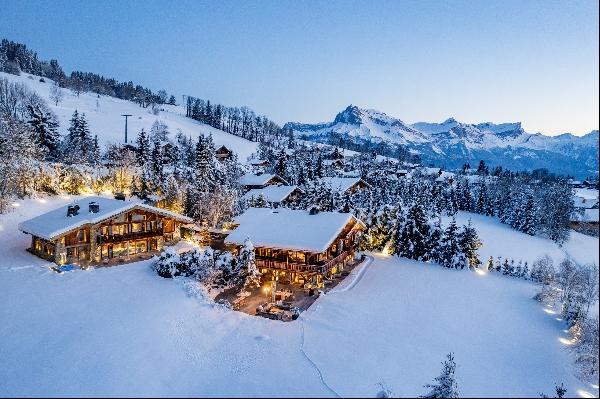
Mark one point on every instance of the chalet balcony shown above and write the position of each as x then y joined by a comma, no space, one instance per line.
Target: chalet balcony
322,268
129,236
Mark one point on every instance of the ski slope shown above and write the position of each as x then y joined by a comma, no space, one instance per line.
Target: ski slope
124,331
103,114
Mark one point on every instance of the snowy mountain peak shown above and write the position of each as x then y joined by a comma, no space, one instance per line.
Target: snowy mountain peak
452,143
351,115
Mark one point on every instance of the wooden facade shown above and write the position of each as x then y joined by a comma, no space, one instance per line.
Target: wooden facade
223,153
127,236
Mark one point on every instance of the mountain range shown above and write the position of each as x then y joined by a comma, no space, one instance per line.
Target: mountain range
451,143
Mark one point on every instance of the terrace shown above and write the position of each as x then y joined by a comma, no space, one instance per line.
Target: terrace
278,298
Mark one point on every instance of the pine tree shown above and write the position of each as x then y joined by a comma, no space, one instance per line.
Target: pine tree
525,271
205,173
413,242
451,253
95,155
248,275
490,264
507,269
435,241
470,243
445,385
143,149
45,126
528,223
156,166
281,165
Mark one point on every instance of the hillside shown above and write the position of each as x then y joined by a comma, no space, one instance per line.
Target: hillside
452,143
126,331
103,114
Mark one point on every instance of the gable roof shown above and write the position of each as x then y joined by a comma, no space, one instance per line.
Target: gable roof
587,203
588,215
289,229
56,222
271,193
251,179
342,184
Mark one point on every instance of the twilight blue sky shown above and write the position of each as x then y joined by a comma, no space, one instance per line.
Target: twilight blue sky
499,61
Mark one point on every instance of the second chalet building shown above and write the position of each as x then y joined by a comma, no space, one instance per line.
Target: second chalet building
296,245
98,230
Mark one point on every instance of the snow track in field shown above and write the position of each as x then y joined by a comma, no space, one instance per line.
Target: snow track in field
314,365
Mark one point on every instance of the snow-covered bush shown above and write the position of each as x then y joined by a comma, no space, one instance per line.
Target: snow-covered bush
542,270
167,264
586,347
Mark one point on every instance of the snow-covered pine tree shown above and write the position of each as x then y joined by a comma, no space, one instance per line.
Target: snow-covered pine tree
281,164
525,271
143,149
413,242
435,240
445,385
206,176
44,125
528,223
248,275
470,243
451,253
96,155
489,265
156,166
507,268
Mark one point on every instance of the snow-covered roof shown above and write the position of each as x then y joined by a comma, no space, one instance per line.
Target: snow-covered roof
588,203
589,216
56,222
271,193
586,193
251,179
289,229
342,184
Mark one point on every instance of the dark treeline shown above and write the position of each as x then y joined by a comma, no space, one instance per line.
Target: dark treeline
240,121
16,58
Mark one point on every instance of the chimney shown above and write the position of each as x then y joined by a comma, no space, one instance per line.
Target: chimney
94,207
120,196
72,210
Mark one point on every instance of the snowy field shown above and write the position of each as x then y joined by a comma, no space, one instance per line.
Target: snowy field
104,117
126,331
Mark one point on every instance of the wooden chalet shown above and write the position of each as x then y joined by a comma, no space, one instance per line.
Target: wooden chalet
297,246
223,153
98,230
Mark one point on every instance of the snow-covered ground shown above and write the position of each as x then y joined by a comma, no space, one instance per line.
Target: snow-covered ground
502,240
104,117
125,331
